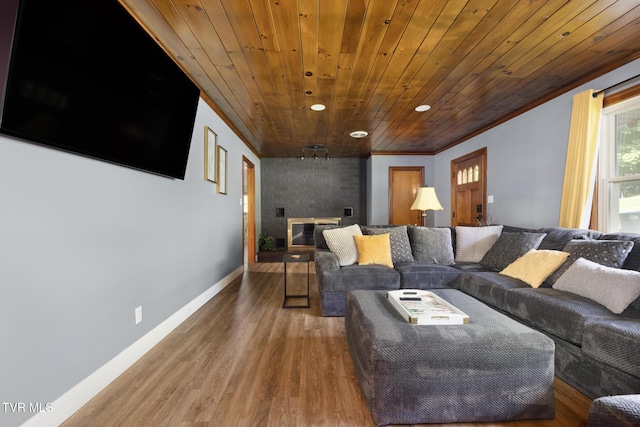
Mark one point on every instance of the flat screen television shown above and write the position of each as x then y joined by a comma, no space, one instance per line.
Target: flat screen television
85,77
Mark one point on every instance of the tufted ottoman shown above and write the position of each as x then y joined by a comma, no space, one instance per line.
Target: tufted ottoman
493,369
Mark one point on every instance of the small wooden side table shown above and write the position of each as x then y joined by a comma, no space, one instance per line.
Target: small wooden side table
291,258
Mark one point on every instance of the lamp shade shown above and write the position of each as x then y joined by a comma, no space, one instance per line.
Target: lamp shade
426,200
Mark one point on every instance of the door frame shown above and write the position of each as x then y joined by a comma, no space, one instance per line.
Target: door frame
482,153
250,185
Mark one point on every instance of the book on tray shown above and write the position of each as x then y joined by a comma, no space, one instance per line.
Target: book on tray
420,307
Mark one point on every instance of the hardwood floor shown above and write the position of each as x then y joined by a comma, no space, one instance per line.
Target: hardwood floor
242,360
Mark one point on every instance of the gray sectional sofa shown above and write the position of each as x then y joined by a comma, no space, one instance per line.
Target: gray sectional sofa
597,351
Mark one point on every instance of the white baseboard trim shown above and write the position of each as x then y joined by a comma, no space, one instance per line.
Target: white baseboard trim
78,396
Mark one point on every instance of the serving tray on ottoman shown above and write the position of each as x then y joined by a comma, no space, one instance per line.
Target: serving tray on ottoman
421,307
491,369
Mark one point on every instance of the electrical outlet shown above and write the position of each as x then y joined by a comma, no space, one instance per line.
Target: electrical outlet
138,314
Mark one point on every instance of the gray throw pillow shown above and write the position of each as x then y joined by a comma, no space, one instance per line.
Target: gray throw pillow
509,247
431,245
400,246
610,253
318,237
614,288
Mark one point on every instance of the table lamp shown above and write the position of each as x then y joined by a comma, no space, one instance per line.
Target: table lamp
426,200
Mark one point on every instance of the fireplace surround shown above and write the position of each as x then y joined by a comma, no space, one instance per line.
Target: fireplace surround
300,231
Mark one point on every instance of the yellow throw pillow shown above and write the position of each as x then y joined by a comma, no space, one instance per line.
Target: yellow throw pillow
374,250
535,266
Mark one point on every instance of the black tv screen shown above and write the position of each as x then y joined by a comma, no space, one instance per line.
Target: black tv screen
85,77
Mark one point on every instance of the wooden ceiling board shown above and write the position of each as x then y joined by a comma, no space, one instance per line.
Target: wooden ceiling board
519,95
442,78
508,85
261,64
477,58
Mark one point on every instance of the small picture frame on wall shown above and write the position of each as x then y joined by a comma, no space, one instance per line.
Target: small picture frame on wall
222,170
210,155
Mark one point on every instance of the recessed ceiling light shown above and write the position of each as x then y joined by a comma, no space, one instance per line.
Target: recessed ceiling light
358,134
421,108
318,107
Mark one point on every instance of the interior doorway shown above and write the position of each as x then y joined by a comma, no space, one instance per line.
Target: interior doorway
248,211
404,183
469,189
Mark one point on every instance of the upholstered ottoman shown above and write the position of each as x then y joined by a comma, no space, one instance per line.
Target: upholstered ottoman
492,369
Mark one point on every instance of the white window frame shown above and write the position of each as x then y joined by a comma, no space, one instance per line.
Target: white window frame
608,215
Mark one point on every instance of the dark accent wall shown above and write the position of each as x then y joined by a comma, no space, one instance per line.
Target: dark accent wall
311,188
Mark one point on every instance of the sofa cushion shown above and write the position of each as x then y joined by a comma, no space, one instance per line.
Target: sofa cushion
614,288
374,250
473,242
400,246
489,286
431,245
614,342
535,266
617,410
340,241
610,253
557,237
355,276
427,276
556,312
509,247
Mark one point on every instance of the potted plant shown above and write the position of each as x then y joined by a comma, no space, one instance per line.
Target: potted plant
267,251
266,243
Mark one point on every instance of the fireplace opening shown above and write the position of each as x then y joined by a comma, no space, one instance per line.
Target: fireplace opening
300,231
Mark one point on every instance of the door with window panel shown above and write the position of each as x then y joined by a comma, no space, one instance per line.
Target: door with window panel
468,189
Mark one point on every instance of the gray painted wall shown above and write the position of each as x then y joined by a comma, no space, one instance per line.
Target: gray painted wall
525,165
526,160
378,187
83,242
311,188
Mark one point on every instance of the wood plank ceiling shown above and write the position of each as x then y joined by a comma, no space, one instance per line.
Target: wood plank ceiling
261,64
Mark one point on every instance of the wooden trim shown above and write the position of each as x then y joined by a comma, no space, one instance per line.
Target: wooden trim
398,153
481,152
251,218
623,95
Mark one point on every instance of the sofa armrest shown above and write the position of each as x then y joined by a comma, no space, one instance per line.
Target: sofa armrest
619,411
325,260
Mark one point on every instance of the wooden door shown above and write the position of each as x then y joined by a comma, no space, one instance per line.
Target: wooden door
403,188
468,189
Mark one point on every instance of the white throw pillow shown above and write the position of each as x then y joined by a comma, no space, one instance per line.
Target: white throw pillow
473,242
341,242
612,287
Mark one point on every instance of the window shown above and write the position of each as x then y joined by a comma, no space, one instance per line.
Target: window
619,184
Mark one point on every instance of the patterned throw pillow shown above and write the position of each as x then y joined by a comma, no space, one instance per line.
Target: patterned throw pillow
610,253
431,245
473,242
509,247
340,241
612,287
400,246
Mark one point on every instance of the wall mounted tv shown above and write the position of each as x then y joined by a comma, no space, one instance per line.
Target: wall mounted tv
85,77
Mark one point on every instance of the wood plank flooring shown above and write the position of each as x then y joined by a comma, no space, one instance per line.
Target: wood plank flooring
242,360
